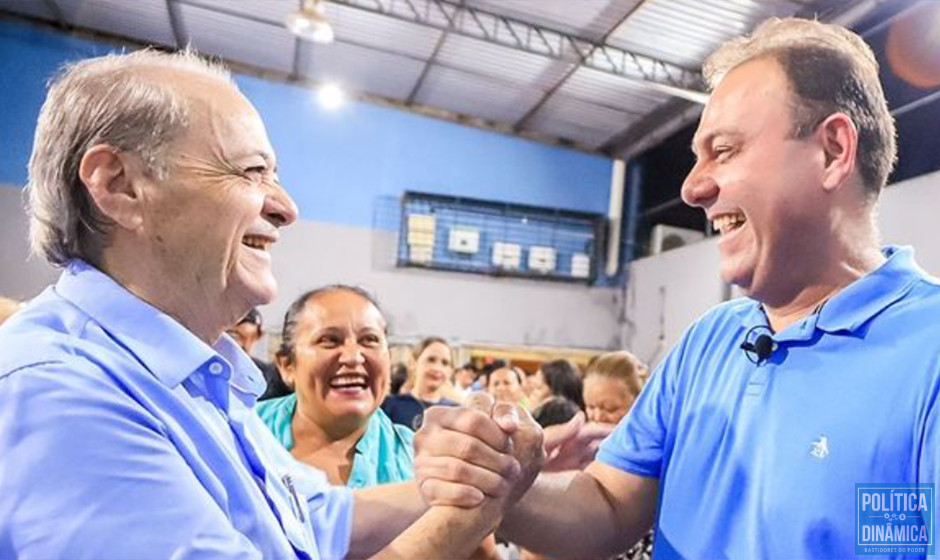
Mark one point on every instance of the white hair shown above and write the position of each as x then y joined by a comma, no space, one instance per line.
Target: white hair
107,100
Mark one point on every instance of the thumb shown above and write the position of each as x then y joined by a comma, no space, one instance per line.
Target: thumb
559,434
506,415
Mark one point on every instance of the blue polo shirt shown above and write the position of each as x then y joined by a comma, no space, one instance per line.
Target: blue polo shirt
760,460
122,435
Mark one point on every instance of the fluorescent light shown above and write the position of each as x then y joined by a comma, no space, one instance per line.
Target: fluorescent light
310,23
331,96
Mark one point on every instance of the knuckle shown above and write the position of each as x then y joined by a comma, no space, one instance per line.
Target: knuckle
466,449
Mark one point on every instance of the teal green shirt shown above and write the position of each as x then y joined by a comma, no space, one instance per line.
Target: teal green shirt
384,453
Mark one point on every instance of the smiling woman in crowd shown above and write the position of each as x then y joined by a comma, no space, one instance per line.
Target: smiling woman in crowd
433,367
334,353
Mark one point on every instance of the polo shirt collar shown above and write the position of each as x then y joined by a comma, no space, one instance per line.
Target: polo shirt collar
861,300
854,305
166,348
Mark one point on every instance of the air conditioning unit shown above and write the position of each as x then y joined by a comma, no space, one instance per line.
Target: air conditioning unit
464,240
507,255
665,238
580,265
541,259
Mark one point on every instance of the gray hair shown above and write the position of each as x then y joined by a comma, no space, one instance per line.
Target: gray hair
107,100
830,70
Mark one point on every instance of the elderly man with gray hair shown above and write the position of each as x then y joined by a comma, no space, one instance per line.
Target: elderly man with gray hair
126,420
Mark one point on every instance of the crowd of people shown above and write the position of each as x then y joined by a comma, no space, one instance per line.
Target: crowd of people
130,425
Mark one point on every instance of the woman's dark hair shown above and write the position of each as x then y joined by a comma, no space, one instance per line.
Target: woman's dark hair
398,378
563,379
291,318
556,410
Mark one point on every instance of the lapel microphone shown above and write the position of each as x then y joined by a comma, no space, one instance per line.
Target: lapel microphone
761,347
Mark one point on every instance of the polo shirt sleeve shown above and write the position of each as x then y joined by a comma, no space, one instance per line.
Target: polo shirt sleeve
928,467
84,454
637,443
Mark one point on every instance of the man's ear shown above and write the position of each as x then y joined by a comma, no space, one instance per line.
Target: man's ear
839,139
108,176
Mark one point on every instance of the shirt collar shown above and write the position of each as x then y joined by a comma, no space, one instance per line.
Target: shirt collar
165,347
866,297
857,303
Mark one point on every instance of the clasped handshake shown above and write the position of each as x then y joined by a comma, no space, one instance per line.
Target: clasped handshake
494,451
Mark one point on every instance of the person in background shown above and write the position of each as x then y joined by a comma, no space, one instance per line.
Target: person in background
505,384
465,378
432,370
334,352
247,332
398,380
611,386
7,308
554,411
558,378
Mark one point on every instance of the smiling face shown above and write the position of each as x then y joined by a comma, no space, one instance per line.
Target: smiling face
760,186
341,362
432,368
504,385
210,222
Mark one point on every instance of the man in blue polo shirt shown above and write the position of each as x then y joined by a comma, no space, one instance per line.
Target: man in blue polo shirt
752,435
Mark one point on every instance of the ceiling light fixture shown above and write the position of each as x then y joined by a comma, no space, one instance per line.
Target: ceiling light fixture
331,96
310,23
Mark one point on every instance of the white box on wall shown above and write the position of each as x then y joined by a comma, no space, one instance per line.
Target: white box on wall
464,240
541,259
581,265
421,229
665,238
507,255
420,254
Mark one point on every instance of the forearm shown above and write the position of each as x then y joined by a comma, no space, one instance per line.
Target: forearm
571,515
444,532
380,514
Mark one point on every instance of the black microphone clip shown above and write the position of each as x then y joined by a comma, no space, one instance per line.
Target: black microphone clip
762,346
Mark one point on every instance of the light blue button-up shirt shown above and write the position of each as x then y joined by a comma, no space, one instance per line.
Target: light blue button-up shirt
122,435
759,458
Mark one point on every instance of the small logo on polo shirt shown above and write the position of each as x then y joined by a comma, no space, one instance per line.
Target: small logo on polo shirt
894,518
820,448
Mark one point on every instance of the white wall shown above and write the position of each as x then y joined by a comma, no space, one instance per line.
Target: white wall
459,306
462,307
667,292
21,277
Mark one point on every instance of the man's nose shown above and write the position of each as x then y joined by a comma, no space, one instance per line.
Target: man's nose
279,207
699,189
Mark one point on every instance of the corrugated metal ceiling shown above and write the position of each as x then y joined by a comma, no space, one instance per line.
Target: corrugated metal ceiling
568,71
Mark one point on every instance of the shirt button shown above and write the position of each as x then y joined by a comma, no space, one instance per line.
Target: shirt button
215,368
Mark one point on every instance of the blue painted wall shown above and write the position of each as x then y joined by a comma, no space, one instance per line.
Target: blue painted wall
337,164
